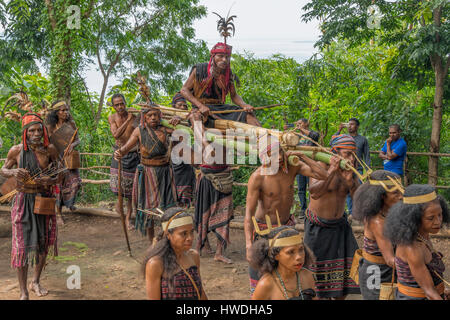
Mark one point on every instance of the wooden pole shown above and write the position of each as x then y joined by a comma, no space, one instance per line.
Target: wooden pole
120,200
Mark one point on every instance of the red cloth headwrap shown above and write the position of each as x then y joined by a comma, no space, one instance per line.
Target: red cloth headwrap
28,120
225,86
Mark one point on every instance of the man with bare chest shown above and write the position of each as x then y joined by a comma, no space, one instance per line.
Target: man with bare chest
153,184
122,124
36,172
272,194
327,232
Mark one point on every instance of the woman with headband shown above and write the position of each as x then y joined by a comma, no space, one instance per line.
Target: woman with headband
172,269
408,226
371,203
282,260
61,128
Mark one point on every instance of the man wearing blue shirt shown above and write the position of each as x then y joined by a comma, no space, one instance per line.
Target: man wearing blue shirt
394,151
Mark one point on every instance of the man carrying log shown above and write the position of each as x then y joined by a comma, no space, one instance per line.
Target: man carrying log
327,231
33,234
122,124
153,185
273,194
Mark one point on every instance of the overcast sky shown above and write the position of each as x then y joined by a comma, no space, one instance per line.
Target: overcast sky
259,19
263,27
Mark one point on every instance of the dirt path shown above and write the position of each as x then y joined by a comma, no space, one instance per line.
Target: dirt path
97,246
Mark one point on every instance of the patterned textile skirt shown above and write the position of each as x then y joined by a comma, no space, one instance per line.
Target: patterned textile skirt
67,191
334,245
129,164
185,183
213,210
32,234
153,187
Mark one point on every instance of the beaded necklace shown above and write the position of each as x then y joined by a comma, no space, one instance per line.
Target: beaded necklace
299,287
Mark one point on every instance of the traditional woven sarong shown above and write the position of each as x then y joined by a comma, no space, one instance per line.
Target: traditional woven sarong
185,183
67,191
153,186
213,209
254,274
408,288
369,282
32,234
182,287
333,244
129,163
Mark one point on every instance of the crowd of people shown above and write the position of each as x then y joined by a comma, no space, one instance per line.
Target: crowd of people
283,264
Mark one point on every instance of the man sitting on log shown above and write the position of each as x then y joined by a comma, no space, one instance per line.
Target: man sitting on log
122,124
209,84
154,185
327,231
32,234
273,194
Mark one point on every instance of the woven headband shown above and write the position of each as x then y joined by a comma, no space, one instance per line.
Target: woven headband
380,182
396,183
285,242
420,199
174,223
59,104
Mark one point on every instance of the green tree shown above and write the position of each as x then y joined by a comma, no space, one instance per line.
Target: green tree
154,36
420,29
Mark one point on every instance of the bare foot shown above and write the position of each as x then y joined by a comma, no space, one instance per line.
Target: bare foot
208,249
223,259
24,296
38,289
128,224
59,220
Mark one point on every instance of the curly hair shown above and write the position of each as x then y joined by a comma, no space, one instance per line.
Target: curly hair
263,259
52,117
404,220
368,198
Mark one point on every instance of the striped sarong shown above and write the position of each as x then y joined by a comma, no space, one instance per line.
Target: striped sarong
153,187
213,209
334,245
129,163
32,234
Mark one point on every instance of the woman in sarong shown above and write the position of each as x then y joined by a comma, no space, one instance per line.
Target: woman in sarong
61,127
282,260
420,268
371,203
172,268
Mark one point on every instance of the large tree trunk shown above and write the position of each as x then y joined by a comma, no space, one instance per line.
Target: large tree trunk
440,67
436,124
